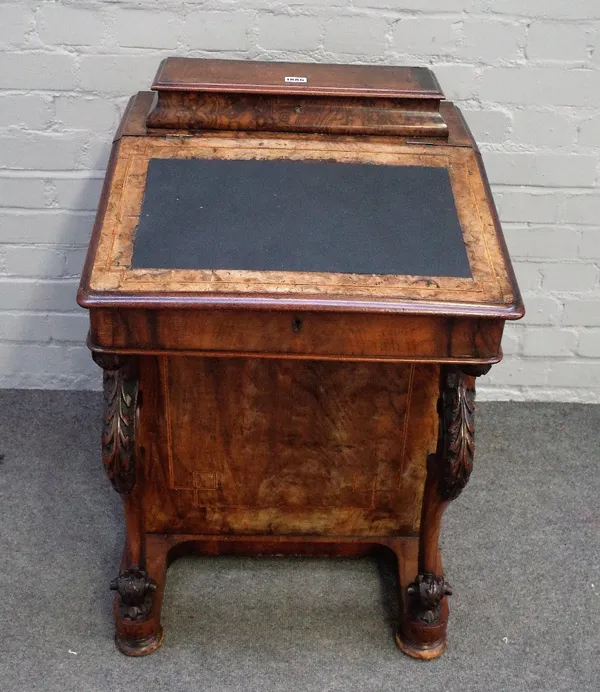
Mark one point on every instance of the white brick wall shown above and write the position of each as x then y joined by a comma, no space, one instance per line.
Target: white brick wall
525,72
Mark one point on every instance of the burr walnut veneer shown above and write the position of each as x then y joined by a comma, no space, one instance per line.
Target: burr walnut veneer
295,276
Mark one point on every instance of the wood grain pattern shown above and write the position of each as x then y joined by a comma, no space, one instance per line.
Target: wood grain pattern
251,112
490,287
297,335
134,124
263,446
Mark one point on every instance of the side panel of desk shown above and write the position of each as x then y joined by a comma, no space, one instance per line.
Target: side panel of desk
247,446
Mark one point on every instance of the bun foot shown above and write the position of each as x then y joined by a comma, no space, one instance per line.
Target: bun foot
139,647
420,651
422,632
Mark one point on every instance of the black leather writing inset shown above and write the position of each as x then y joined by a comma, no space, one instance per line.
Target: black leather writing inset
314,216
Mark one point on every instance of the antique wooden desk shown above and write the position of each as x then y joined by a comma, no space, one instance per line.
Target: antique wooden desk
295,276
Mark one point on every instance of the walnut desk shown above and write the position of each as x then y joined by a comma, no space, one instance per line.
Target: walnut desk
295,276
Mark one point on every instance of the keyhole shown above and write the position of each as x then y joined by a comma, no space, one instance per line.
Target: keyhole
297,324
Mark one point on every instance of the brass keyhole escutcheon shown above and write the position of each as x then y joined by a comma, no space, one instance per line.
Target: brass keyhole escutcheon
296,324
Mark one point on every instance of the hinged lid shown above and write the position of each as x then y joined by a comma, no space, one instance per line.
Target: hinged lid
307,79
198,94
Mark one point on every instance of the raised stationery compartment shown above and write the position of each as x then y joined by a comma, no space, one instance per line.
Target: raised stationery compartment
195,94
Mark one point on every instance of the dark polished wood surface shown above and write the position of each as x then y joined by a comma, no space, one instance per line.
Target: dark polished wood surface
242,76
291,412
297,334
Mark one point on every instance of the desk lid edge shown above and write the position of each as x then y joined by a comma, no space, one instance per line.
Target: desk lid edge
316,79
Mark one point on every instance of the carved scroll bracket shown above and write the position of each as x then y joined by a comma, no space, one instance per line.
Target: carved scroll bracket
457,428
135,589
120,404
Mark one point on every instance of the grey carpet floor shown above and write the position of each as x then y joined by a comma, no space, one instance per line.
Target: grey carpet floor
521,546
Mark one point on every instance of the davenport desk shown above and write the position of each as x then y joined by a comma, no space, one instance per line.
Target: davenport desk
295,276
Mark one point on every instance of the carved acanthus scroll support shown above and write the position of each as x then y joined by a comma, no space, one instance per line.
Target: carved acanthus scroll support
121,400
457,432
120,406
447,474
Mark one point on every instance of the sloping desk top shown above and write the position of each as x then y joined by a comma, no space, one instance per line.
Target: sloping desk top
354,225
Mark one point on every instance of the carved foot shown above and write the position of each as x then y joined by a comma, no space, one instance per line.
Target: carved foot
422,633
135,589
137,633
427,592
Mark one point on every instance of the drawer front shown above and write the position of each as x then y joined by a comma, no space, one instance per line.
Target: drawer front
326,335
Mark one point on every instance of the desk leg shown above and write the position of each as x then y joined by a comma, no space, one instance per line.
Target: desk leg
138,601
136,608
422,632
